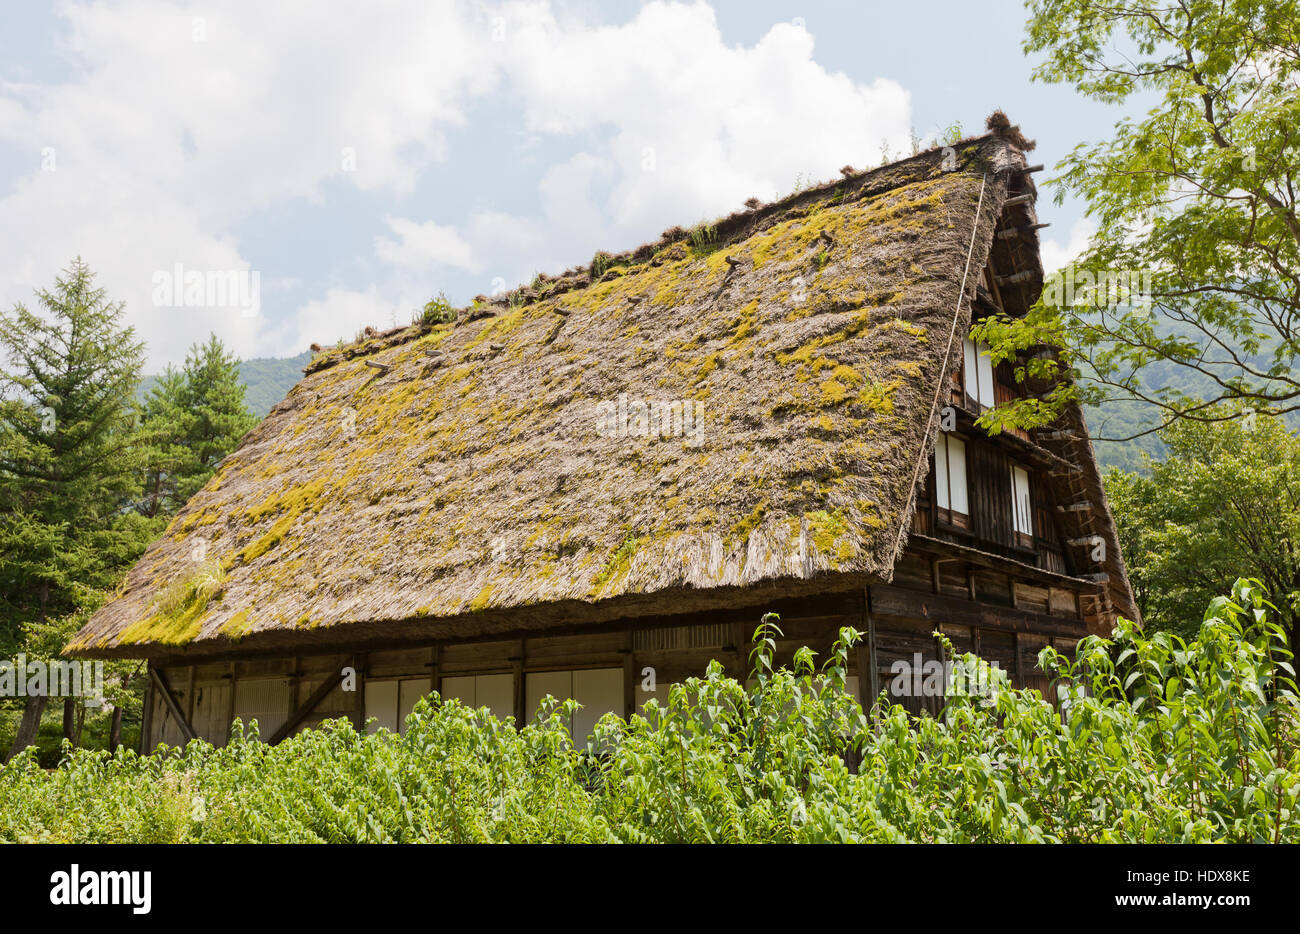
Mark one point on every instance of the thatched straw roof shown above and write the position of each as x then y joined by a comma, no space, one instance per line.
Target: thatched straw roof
458,476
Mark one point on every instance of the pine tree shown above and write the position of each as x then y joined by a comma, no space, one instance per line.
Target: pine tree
215,397
192,419
69,463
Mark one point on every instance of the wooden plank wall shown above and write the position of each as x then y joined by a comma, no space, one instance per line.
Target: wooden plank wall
1007,621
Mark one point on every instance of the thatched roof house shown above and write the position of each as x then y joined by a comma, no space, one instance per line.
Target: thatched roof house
739,416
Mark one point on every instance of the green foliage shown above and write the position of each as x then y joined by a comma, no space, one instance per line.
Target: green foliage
1198,196
438,310
89,472
600,264
191,420
1154,740
1226,501
68,426
704,239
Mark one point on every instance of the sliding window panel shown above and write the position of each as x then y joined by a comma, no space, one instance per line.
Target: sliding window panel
408,693
599,691
381,705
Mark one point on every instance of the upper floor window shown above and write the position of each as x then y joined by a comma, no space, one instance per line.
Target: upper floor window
950,480
979,373
1022,516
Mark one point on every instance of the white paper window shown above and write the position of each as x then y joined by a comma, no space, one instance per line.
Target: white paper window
1021,512
598,690
381,706
979,373
410,691
950,474
495,692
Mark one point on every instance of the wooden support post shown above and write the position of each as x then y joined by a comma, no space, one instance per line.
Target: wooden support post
629,677
1020,667
295,683
740,638
871,651
230,702
359,702
300,713
520,699
943,674
146,718
169,699
435,668
189,697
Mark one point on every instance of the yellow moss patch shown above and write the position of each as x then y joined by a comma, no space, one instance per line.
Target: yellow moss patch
829,534
747,525
237,626
179,608
616,566
481,600
833,392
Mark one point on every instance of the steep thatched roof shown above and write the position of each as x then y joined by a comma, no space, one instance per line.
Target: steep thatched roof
458,476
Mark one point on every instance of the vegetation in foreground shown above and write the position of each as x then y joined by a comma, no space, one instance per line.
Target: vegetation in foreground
1154,740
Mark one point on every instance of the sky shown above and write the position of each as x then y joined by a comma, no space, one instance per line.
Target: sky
283,173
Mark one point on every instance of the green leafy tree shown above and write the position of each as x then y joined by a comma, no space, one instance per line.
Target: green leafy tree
1195,267
1226,501
68,461
192,419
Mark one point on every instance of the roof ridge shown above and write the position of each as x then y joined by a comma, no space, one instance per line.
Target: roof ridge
579,277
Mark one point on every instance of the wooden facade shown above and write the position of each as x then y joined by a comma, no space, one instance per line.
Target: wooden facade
983,605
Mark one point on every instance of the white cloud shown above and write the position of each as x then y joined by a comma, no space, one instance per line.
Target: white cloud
423,245
695,125
165,146
342,313
1055,255
162,143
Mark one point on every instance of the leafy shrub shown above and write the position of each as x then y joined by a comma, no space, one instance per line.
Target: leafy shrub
437,310
1149,739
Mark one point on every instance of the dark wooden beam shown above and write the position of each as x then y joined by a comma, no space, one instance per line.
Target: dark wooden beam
359,702
889,600
926,544
871,646
520,697
1016,277
1009,232
146,719
169,699
307,707
629,678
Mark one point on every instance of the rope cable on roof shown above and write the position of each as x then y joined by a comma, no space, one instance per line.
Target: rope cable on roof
947,355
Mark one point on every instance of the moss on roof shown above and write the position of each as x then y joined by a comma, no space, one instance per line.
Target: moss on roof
457,467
